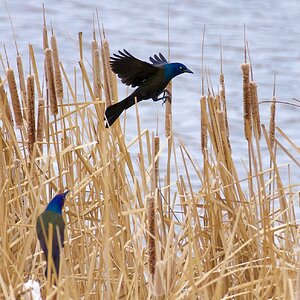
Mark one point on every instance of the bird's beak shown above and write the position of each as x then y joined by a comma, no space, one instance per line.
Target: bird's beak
66,193
188,71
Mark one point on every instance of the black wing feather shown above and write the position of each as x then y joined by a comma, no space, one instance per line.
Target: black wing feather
158,61
131,70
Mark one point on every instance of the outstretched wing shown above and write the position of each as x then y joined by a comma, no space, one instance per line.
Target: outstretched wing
131,70
158,60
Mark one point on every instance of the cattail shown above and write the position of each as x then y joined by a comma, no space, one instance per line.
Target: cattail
272,122
45,33
112,76
6,107
246,100
107,73
223,99
22,83
255,108
221,121
151,235
203,123
45,38
58,79
96,69
14,97
40,123
168,113
50,81
30,113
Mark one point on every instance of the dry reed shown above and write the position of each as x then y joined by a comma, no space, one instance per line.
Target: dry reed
200,234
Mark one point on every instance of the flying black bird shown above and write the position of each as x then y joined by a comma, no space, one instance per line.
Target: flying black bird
151,79
52,215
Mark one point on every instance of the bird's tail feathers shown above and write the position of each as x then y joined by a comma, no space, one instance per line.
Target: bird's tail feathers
113,112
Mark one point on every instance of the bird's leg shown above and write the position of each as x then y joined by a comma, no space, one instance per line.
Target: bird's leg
166,95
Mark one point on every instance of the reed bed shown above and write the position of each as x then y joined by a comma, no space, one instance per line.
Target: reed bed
132,232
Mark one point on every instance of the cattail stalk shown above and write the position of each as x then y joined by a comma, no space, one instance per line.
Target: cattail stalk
31,113
246,101
22,83
255,108
14,97
51,82
58,78
272,122
168,112
203,124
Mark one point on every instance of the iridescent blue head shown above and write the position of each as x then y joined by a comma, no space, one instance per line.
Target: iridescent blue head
174,69
57,203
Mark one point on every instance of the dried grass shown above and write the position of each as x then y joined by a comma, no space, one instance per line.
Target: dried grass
234,238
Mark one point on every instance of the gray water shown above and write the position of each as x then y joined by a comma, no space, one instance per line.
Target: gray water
272,29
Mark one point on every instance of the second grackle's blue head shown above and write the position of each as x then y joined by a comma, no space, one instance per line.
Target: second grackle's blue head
57,203
174,69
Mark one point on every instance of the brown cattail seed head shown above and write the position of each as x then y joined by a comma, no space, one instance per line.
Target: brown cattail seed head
14,97
107,74
22,82
96,69
31,112
151,235
246,100
41,120
255,108
50,82
58,79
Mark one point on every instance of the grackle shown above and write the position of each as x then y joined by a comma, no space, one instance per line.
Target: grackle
52,215
151,79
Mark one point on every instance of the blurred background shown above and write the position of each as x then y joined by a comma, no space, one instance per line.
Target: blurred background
141,27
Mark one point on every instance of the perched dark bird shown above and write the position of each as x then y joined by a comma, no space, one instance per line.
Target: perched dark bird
151,79
52,215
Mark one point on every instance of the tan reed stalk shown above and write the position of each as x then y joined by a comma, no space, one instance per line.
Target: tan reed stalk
168,111
247,100
3,99
255,108
31,113
57,74
14,98
203,124
51,81
272,122
223,99
22,83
